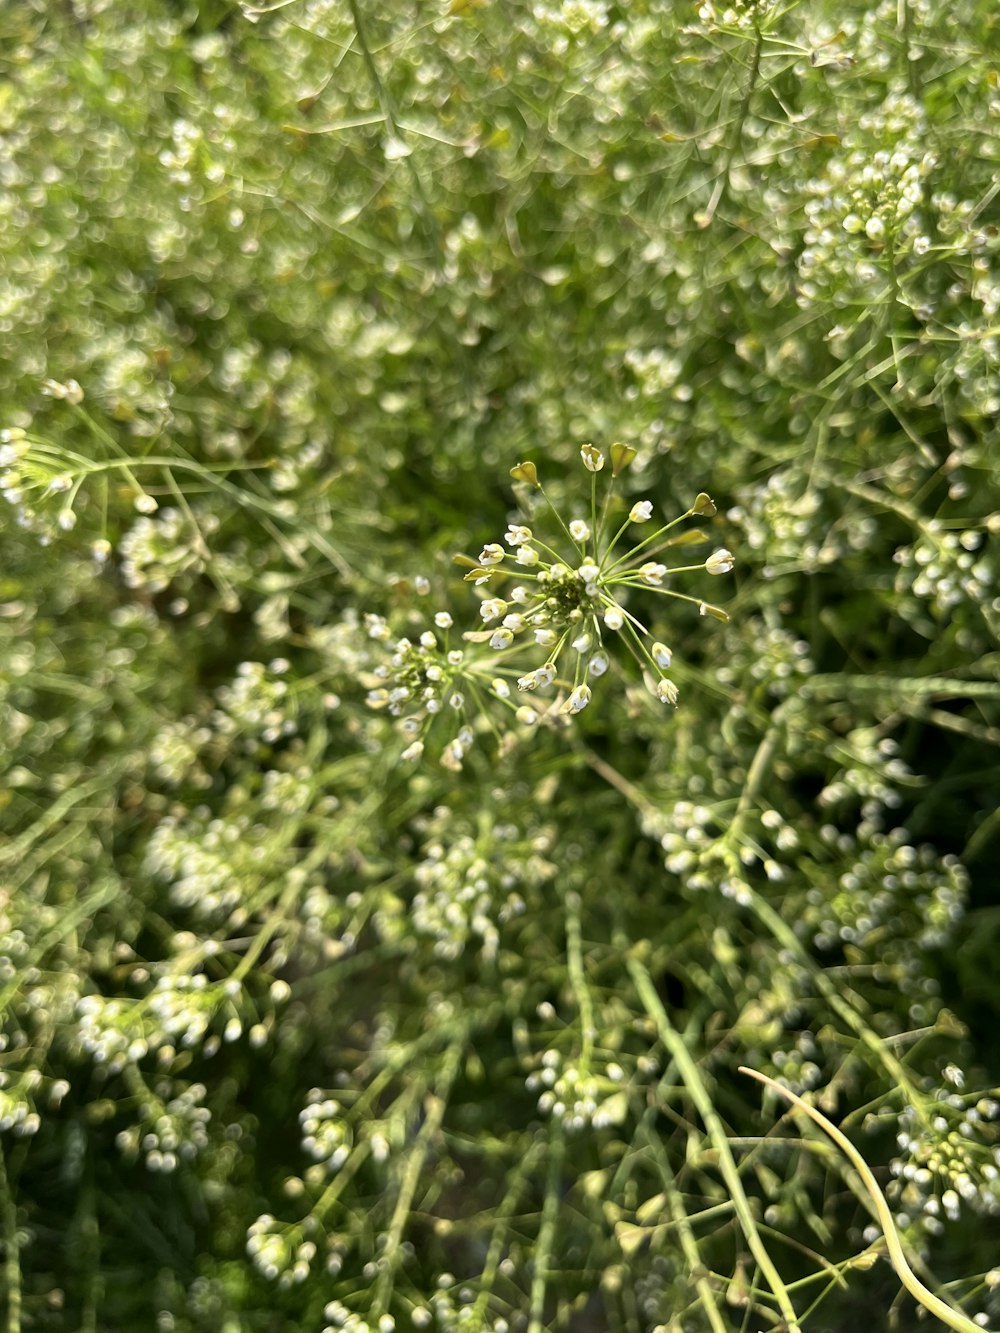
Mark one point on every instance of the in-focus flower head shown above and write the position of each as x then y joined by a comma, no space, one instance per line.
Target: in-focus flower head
579,596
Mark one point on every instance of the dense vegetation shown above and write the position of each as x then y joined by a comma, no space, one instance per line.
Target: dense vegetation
381,935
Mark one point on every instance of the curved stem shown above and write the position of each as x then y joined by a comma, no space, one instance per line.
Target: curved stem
947,1314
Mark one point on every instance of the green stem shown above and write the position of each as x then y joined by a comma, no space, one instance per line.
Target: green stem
653,536
11,1249
547,1230
947,1314
691,1076
435,1106
578,980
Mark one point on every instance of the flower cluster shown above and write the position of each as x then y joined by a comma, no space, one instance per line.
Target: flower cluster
280,1251
948,1157
170,1131
579,1096
864,209
326,1134
567,605
469,884
179,1011
943,570
455,1308
342,1320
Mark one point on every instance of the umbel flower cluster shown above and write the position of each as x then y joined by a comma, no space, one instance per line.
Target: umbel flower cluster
554,617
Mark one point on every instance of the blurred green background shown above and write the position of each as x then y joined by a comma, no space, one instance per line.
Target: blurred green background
298,1037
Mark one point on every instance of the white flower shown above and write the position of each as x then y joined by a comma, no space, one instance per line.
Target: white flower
662,656
501,638
493,608
598,664
517,535
520,594
491,554
875,229
578,700
546,637
500,687
666,691
456,700
720,562
539,678
452,756
527,555
579,530
652,573
145,504
422,585
593,459
641,512
443,620
427,640
589,573
613,617
413,752
526,716
514,622
582,642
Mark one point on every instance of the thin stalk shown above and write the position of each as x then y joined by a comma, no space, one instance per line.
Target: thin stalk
498,1240
653,536
547,1230
435,1107
578,980
699,1094
946,1313
11,1249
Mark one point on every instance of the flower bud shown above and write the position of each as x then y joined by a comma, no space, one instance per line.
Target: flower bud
652,573
641,512
493,608
666,692
578,700
662,656
720,562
